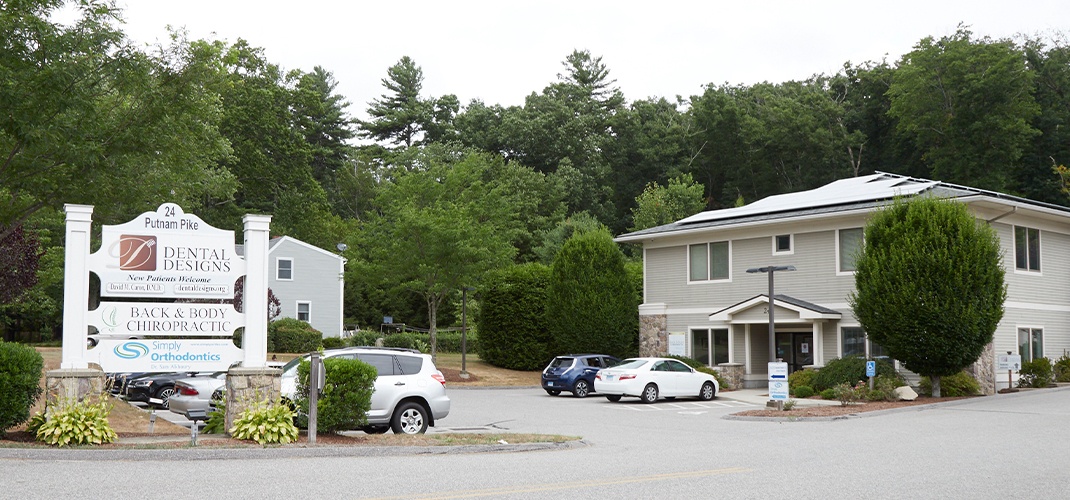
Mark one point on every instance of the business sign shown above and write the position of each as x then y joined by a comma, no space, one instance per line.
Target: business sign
165,355
778,381
172,319
1008,362
677,344
167,253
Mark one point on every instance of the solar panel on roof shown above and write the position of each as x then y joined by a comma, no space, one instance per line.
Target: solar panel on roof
856,189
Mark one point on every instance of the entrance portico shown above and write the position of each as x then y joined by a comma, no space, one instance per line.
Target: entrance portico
799,337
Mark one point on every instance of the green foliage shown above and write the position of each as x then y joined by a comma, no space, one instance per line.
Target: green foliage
407,340
659,205
1062,369
967,103
265,423
72,423
217,419
1036,373
828,394
800,378
848,394
952,386
346,396
333,342
849,370
929,285
803,391
512,321
35,422
884,388
293,335
364,338
591,302
20,377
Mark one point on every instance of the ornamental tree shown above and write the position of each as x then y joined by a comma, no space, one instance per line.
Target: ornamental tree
929,285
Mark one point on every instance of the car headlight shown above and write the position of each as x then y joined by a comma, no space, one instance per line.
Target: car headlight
141,383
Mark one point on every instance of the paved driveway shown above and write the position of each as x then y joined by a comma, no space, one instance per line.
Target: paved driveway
1007,446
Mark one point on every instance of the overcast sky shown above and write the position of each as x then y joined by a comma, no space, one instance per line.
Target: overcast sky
501,51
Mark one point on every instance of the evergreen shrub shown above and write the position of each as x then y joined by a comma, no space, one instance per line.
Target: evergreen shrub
804,391
512,323
20,383
294,336
952,386
346,397
849,370
1036,373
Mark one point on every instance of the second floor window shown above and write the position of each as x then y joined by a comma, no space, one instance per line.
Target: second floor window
849,244
1026,248
709,261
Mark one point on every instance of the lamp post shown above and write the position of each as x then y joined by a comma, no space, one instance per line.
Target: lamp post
464,330
772,333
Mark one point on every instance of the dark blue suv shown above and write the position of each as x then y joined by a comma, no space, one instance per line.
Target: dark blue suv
574,373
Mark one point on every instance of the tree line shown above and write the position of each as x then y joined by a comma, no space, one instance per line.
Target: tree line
431,194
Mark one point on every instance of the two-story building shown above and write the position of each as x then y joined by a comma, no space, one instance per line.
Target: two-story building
308,281
696,286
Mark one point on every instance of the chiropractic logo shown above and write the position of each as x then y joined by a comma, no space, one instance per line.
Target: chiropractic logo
137,252
131,350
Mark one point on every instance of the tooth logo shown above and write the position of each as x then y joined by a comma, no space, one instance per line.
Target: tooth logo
131,350
137,252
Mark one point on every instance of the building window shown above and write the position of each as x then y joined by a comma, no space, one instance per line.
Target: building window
1030,343
284,269
854,341
304,311
709,345
709,261
848,244
1026,249
782,244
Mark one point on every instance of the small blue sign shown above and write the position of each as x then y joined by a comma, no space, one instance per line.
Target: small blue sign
871,368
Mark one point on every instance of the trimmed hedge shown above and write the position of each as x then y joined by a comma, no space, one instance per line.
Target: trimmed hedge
293,335
347,394
511,321
20,376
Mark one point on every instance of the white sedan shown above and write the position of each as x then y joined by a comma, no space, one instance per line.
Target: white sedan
652,378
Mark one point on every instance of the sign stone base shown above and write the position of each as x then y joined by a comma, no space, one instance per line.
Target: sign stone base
73,384
248,386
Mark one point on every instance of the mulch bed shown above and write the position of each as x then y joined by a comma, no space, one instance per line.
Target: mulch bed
838,410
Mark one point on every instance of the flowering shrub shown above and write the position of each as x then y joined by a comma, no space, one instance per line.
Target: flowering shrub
847,394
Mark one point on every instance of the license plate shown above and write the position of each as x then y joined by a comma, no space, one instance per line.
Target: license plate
610,377
549,384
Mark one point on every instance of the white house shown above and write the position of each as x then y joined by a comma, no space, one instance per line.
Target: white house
695,282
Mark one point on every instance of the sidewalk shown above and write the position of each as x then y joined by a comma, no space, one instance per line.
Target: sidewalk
761,396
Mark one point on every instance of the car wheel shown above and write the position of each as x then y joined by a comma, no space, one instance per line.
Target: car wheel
164,394
613,397
650,394
553,392
582,389
409,418
91,342
375,429
708,392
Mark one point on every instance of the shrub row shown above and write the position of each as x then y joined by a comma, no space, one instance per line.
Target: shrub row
289,335
849,370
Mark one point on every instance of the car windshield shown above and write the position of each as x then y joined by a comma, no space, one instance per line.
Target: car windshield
290,368
561,362
631,364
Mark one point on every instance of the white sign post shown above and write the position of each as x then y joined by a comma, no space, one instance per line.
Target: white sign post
778,383
1011,363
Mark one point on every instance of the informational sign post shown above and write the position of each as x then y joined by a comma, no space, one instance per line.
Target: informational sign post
871,371
1011,363
676,344
778,382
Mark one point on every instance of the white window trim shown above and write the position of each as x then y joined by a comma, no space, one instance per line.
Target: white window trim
1030,327
292,270
690,340
687,250
1040,251
839,338
297,310
791,244
838,271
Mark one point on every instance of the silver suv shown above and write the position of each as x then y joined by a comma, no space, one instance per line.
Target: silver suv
409,395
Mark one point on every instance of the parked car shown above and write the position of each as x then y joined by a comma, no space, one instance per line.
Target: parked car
116,381
195,393
159,386
574,373
652,378
409,394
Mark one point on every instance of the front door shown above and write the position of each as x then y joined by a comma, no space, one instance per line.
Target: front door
796,349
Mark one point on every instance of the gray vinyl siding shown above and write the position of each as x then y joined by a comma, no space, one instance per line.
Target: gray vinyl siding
315,280
1050,285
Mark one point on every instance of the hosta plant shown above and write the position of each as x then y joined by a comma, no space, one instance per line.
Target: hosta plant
77,423
265,423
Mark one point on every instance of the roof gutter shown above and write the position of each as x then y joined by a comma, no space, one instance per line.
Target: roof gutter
1014,209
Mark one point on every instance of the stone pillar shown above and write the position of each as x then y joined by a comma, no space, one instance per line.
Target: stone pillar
733,374
248,386
254,340
68,384
653,330
984,370
76,286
